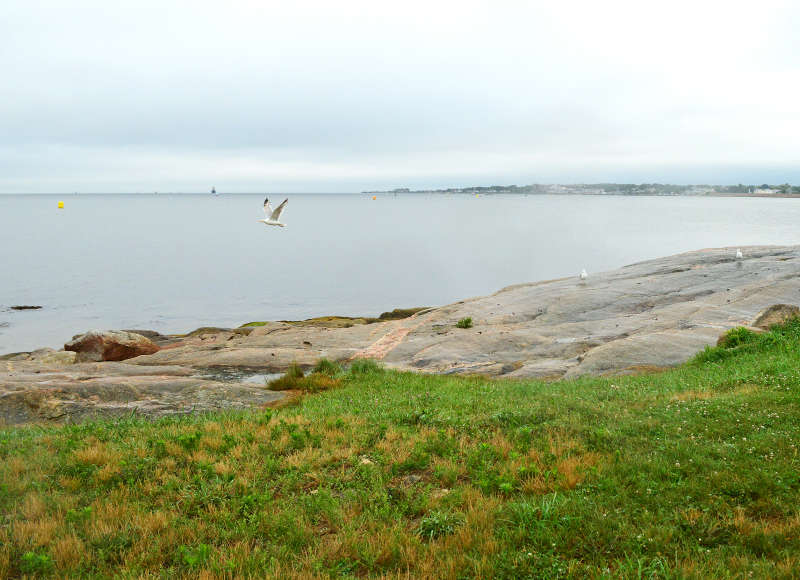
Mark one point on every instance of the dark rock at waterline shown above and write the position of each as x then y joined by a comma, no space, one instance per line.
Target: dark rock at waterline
25,307
110,345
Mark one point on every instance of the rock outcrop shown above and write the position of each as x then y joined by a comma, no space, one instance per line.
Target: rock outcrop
110,345
652,314
776,314
31,391
656,313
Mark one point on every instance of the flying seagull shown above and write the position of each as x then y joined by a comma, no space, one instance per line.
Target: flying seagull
583,275
273,217
739,255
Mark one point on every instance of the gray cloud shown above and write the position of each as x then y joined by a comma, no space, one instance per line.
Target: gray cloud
347,96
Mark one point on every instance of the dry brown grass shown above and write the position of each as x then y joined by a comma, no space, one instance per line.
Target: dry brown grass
5,563
152,522
691,515
108,472
34,533
744,524
501,444
71,484
95,453
33,506
67,551
212,442
573,469
16,466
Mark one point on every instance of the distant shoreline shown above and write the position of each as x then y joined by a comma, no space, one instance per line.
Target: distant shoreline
611,194
607,188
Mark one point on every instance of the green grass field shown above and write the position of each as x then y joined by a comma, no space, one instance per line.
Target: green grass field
690,473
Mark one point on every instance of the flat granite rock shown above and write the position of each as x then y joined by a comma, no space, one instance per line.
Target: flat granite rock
652,314
31,392
656,313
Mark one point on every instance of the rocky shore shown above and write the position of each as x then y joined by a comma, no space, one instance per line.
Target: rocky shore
648,315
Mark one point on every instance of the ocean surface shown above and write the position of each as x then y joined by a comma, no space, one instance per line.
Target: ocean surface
175,262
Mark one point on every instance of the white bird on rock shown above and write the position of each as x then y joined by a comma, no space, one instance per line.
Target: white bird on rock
583,275
273,217
739,255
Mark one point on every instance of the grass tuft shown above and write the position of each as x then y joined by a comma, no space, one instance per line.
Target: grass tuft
437,524
737,337
328,368
464,323
321,378
365,366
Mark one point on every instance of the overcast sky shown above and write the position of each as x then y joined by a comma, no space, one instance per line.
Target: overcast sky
348,95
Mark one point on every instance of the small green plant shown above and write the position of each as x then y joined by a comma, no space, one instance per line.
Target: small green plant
189,441
326,367
736,337
464,322
33,563
195,557
437,524
79,515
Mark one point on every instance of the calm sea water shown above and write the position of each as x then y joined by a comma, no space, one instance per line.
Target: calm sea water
175,262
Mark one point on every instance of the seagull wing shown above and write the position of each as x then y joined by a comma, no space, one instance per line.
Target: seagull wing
276,215
267,207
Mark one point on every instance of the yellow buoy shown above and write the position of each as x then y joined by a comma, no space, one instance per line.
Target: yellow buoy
60,205
374,197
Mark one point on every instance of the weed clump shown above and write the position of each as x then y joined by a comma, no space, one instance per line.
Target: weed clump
400,313
741,340
36,563
736,337
295,379
194,557
365,366
437,524
328,368
464,323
